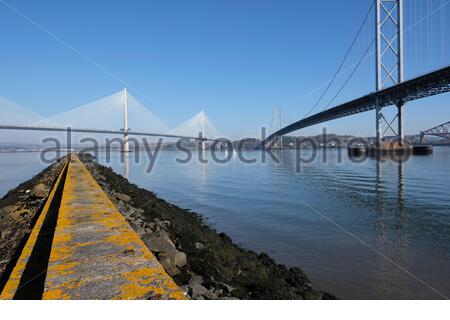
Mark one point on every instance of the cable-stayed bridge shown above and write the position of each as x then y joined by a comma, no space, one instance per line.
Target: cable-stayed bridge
110,115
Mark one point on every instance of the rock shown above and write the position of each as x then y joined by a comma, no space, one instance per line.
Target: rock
228,298
172,260
161,224
139,230
195,279
169,265
122,197
225,286
103,184
180,259
8,210
20,214
5,234
199,246
297,278
210,295
39,191
121,206
133,212
198,290
185,289
158,241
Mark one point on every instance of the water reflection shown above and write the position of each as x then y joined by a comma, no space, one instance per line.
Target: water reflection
126,165
392,249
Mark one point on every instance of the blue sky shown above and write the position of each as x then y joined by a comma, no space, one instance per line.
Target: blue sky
234,59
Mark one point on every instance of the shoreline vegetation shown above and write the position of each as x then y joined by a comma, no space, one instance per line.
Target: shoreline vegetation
205,264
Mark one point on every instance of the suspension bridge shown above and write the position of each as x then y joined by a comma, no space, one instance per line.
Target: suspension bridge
391,89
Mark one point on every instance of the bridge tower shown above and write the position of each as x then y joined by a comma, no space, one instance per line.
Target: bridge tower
389,60
202,133
125,121
277,125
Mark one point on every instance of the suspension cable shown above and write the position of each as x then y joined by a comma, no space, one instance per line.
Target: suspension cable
350,75
343,60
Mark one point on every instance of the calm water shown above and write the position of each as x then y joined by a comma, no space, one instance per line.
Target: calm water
369,230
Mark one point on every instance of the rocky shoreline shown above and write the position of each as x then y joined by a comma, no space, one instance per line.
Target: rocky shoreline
18,213
204,263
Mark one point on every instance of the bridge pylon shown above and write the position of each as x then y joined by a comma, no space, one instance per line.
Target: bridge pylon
277,125
125,121
202,134
389,62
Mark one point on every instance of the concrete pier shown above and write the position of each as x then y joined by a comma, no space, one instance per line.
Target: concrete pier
93,251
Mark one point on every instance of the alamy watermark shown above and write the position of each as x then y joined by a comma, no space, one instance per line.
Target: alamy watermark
224,150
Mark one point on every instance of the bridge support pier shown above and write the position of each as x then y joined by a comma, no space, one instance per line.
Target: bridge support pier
400,121
422,137
378,118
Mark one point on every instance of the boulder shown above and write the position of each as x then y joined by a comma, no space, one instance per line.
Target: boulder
148,230
122,197
159,241
8,210
210,295
199,246
195,279
20,214
39,191
198,290
139,230
169,265
172,261
218,292
180,259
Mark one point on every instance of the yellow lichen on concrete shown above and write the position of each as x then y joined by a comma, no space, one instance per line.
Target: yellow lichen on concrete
139,281
12,285
95,253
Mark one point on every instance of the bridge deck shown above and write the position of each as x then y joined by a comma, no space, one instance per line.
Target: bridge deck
427,85
94,254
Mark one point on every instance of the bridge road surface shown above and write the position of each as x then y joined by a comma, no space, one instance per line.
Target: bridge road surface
93,253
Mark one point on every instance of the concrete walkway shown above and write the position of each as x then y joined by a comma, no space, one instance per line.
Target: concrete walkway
95,254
